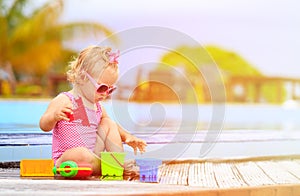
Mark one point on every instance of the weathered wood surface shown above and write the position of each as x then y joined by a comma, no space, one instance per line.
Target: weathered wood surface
231,173
254,176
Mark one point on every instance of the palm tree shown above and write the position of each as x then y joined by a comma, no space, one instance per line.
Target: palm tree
32,42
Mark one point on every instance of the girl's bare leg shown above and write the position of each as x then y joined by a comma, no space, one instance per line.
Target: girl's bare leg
109,135
100,146
81,155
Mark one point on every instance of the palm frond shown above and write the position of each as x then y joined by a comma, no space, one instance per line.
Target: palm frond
83,29
39,22
31,42
37,60
47,16
3,7
15,14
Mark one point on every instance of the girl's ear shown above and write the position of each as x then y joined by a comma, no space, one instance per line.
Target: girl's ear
81,77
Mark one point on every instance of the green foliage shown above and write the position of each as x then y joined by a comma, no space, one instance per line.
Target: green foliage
190,58
231,62
29,90
32,41
195,60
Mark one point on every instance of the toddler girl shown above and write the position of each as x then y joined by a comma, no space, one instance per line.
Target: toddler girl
81,127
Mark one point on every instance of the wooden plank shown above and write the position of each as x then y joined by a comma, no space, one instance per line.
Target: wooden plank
210,174
193,175
252,174
202,175
163,174
278,174
291,166
8,173
178,174
225,176
183,174
168,174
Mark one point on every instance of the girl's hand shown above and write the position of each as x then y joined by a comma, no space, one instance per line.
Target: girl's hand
63,113
136,143
55,112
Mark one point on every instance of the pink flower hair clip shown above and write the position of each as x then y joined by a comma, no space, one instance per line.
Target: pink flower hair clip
113,57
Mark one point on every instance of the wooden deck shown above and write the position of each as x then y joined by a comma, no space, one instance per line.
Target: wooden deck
274,176
218,174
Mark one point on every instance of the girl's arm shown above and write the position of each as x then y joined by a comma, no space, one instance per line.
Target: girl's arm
55,112
129,139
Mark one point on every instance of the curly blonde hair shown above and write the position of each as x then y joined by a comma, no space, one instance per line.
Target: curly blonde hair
92,59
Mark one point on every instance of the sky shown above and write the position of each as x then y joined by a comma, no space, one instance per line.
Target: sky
265,33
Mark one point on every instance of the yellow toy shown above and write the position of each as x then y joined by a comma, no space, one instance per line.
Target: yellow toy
36,167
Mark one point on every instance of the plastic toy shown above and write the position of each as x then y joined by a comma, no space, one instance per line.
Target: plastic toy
36,167
112,165
70,169
70,116
148,169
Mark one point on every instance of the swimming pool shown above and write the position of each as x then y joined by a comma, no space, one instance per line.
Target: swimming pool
20,136
22,116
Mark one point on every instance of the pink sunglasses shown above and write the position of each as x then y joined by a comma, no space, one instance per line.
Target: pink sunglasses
101,88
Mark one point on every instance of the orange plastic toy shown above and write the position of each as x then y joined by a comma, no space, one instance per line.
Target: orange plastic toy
36,167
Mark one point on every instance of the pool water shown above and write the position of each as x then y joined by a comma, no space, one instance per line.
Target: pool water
261,126
21,116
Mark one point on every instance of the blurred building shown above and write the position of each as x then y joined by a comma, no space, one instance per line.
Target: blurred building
205,87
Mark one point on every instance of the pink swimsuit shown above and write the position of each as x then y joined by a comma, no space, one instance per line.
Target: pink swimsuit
76,133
